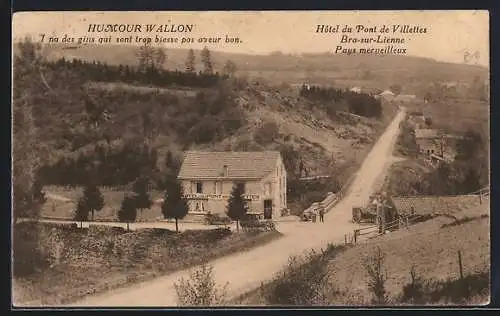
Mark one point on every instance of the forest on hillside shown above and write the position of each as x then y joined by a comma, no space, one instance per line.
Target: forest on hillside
334,99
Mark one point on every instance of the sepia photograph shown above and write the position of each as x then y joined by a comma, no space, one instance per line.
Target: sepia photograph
250,159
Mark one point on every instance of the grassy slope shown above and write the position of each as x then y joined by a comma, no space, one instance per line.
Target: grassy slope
430,246
427,246
87,267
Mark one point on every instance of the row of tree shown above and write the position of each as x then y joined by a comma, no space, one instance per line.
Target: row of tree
174,205
147,74
334,99
105,166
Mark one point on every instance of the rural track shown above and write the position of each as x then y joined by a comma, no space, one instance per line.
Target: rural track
246,270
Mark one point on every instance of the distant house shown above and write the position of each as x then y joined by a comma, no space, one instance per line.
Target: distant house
433,142
405,98
417,120
427,141
209,177
387,95
355,89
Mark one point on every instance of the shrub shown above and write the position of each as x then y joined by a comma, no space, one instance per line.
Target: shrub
216,219
377,274
303,281
414,292
267,133
200,289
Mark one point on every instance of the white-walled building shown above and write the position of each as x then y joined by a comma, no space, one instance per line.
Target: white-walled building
208,178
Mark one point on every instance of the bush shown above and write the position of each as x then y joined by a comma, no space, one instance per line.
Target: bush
267,133
200,236
304,281
414,292
377,278
422,291
216,219
200,289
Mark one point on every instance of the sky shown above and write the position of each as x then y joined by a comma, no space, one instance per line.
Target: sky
449,34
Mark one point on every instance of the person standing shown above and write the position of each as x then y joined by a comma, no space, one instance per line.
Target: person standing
322,215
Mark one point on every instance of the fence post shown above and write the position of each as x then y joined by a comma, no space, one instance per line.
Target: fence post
460,265
345,239
355,236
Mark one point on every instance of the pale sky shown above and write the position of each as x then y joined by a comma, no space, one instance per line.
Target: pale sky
449,34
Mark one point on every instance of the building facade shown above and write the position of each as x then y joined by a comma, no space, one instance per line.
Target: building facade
209,177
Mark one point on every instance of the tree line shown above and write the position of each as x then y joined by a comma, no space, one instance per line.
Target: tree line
174,205
106,166
148,74
334,99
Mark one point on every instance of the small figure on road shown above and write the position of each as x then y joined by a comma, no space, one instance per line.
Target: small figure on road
322,215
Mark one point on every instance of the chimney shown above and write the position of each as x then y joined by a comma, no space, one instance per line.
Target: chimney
225,170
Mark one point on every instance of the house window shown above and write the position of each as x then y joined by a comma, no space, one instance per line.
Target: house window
217,187
199,187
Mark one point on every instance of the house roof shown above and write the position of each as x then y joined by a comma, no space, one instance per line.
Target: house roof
426,133
435,204
240,165
387,92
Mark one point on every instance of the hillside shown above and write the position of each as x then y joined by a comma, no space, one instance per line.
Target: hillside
414,73
113,124
430,248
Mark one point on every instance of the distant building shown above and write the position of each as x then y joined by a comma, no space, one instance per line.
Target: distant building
437,145
405,98
355,89
428,141
417,120
209,177
387,95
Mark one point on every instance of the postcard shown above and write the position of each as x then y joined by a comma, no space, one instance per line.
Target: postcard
250,158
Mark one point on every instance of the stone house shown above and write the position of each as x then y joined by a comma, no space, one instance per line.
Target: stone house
208,178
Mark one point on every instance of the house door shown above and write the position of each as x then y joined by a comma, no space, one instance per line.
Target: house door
268,209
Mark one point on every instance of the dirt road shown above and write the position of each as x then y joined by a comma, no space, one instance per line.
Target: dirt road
246,270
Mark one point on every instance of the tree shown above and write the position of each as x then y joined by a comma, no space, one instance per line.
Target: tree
190,62
159,57
471,181
375,267
82,211
27,154
207,61
229,68
93,199
146,57
174,204
237,206
469,146
267,133
396,88
141,197
128,211
428,121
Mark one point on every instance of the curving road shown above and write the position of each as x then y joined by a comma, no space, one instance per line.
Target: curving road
246,270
